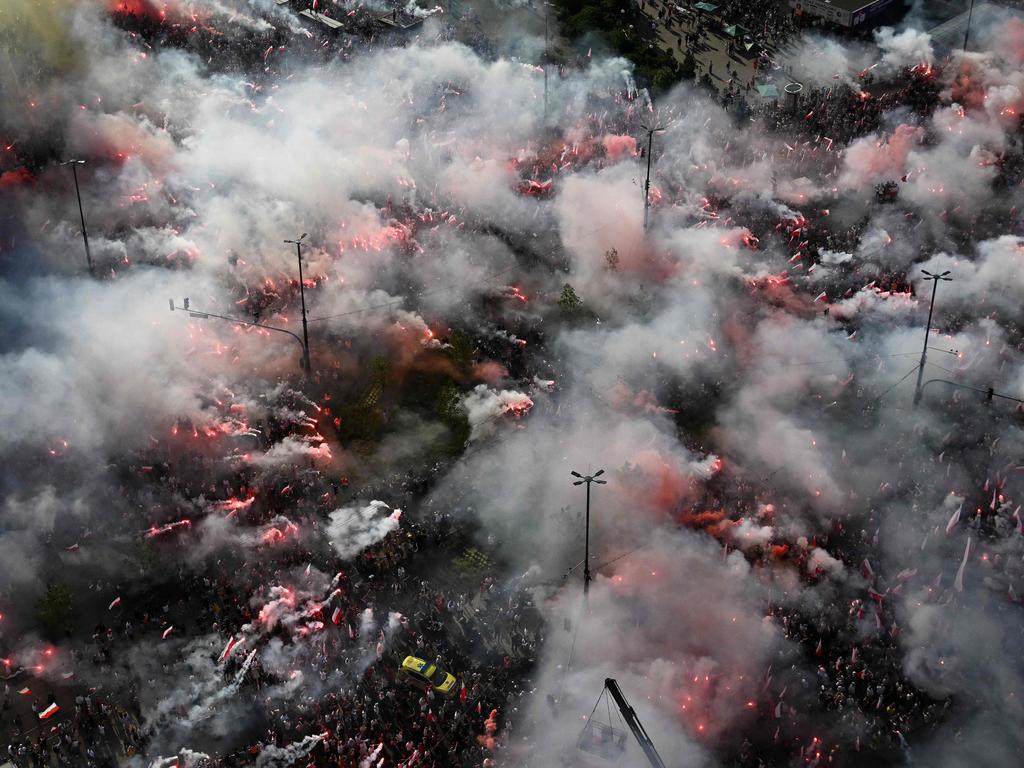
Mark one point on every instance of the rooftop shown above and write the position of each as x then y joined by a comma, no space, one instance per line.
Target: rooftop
987,20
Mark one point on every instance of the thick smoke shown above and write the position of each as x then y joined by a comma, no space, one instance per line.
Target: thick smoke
353,529
742,371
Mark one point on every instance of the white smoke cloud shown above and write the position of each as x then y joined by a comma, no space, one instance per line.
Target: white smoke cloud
693,389
484,406
353,529
906,48
273,756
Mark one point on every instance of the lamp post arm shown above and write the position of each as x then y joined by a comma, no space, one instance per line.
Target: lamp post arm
985,392
240,321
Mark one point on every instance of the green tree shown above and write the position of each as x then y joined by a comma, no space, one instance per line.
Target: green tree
364,419
54,609
449,409
569,300
461,348
688,69
663,78
449,403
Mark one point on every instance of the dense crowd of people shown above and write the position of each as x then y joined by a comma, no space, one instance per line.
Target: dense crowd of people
768,23
422,589
846,111
95,734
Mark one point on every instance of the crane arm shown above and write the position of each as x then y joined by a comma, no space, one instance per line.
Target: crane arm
634,724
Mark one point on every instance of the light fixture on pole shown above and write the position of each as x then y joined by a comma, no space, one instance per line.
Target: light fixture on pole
588,479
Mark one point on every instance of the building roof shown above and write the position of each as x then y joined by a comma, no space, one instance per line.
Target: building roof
399,19
987,19
850,5
327,21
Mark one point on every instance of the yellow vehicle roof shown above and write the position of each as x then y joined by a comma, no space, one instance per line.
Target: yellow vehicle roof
418,665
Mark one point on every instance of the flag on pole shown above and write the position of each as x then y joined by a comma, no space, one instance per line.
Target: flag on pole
958,584
867,570
48,712
227,650
116,602
954,519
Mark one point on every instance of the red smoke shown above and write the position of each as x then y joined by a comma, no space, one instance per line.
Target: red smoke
144,9
15,178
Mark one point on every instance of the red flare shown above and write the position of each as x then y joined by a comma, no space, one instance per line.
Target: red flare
158,531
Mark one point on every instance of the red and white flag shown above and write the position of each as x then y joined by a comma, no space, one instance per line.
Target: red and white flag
48,712
227,650
958,584
167,632
116,602
337,616
954,519
25,691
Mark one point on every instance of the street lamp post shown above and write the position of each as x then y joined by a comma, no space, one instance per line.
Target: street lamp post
302,293
967,30
928,328
74,163
647,183
588,479
547,57
547,39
